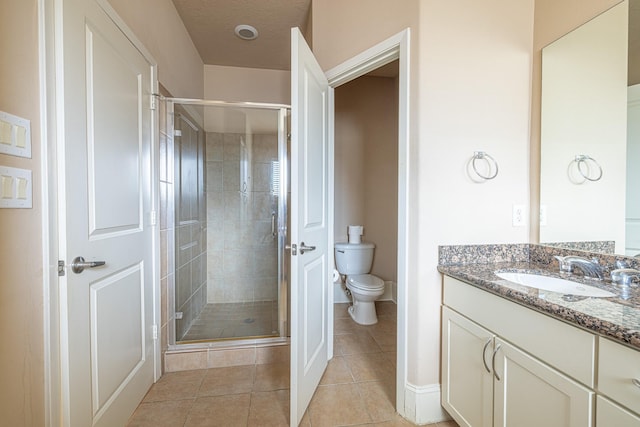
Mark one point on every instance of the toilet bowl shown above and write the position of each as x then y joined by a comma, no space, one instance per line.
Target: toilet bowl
365,290
354,260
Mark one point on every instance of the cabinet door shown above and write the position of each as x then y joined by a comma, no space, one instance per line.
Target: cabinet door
467,382
610,414
529,393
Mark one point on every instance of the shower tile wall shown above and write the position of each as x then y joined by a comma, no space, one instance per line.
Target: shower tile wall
242,253
190,234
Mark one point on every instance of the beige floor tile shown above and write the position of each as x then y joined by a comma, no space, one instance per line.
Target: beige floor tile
370,367
357,344
274,376
161,414
346,325
223,411
396,421
379,399
337,372
172,391
176,386
336,405
269,409
447,424
340,310
385,340
231,380
392,357
386,308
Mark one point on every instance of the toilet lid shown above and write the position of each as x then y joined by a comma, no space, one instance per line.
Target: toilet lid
366,281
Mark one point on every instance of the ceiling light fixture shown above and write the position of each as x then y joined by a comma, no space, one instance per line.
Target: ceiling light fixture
246,32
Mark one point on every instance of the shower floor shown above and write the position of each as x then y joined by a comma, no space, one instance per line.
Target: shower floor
234,320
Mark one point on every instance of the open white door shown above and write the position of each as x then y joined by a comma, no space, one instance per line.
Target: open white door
107,345
309,225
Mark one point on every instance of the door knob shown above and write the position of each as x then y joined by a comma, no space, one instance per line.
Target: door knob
304,248
79,264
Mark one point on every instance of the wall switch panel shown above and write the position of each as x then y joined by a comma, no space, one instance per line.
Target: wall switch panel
543,215
15,135
519,216
16,188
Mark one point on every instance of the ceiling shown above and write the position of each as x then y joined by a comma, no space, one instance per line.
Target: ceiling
211,25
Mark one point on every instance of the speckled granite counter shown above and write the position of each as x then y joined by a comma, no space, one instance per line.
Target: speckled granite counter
615,318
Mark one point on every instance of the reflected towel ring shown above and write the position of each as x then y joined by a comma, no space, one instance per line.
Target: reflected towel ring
582,162
491,162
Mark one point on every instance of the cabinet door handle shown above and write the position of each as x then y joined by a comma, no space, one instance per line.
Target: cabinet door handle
635,382
484,352
493,362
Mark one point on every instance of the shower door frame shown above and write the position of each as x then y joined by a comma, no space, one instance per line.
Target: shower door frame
281,227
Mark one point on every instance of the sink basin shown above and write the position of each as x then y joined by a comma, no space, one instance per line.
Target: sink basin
554,284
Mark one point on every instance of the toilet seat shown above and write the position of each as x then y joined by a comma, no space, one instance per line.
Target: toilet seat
366,282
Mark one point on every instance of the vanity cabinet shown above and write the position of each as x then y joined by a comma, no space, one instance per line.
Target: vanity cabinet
467,379
499,368
611,414
528,392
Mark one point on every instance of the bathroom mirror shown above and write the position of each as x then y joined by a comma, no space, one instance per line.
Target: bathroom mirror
590,133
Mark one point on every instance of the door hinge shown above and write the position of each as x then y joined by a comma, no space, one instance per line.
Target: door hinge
153,218
154,332
60,268
153,104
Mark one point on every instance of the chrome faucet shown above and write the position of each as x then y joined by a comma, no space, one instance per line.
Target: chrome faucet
590,268
625,276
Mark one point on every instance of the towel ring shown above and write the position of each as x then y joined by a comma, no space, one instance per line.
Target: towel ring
582,161
491,162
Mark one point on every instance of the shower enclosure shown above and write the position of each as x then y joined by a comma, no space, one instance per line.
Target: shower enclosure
230,203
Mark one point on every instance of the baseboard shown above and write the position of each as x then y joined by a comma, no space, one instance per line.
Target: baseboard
422,404
390,292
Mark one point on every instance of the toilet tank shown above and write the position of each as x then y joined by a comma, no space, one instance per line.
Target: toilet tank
354,258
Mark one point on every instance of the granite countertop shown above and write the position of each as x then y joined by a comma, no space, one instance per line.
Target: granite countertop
615,318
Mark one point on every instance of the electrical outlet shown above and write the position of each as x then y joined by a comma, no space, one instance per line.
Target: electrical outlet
543,215
518,216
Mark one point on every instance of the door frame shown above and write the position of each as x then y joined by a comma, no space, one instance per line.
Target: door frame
395,47
50,64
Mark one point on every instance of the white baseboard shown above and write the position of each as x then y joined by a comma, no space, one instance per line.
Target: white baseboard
390,292
422,404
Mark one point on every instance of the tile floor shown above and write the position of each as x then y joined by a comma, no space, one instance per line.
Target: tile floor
227,320
357,389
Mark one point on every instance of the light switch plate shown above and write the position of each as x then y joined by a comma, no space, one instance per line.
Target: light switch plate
15,135
16,188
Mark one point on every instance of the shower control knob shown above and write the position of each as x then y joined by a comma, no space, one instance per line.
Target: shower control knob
304,248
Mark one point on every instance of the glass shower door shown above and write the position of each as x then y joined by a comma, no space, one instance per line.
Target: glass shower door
243,163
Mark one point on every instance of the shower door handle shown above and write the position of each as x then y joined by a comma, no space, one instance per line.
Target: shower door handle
304,248
273,224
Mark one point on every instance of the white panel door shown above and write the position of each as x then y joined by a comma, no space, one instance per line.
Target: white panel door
105,203
309,218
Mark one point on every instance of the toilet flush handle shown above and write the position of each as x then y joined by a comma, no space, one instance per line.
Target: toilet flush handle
304,248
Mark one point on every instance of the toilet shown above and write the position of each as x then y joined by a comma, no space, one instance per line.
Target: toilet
354,260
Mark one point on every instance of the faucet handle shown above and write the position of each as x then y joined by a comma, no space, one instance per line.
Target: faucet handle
563,264
624,276
622,264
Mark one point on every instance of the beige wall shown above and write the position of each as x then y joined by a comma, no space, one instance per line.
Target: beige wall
21,301
452,116
158,26
366,166
240,84
553,19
